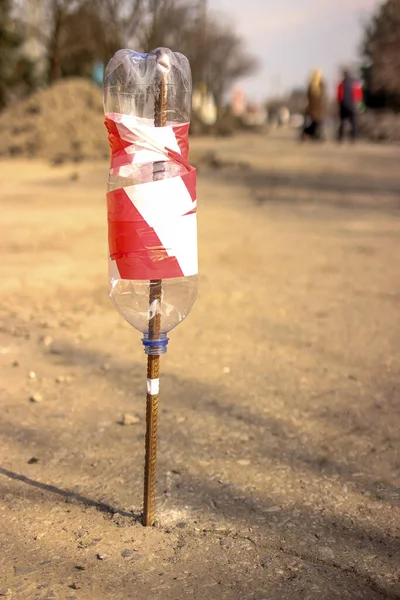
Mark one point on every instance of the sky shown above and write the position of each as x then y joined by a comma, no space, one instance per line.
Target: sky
292,37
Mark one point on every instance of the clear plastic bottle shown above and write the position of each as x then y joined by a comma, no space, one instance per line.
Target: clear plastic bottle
132,95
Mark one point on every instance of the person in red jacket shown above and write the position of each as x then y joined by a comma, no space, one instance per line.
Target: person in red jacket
349,97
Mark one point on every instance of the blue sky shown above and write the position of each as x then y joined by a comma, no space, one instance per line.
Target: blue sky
291,37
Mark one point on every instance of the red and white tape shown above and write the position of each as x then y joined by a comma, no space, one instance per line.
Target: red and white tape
152,228
135,140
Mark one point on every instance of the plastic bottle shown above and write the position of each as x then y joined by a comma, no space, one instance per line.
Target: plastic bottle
132,88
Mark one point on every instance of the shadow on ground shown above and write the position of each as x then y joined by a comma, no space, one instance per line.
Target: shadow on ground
271,442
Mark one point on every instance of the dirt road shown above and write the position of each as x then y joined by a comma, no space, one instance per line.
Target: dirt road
278,473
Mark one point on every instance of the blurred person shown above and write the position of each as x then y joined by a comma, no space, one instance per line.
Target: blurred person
349,97
283,116
238,102
316,107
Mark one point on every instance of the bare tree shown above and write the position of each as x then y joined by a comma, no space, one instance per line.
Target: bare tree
75,33
55,14
165,23
382,50
102,25
44,20
225,59
121,19
215,52
10,43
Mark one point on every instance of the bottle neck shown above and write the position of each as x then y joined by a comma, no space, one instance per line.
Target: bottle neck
155,347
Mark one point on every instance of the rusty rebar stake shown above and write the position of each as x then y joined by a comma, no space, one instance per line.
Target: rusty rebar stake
153,361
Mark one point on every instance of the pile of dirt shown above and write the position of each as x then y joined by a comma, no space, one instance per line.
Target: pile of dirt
378,126
61,123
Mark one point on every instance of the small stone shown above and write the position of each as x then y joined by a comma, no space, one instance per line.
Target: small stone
33,460
127,553
388,494
226,370
180,420
56,351
47,340
63,379
75,586
326,553
35,398
80,567
32,375
6,593
129,420
244,462
15,363
273,509
181,525
101,556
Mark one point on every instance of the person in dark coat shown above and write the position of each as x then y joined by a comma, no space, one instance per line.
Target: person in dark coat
349,97
316,107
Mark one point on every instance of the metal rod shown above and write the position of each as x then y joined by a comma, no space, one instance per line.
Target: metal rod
153,361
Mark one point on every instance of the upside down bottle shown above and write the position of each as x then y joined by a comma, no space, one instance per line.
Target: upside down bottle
151,198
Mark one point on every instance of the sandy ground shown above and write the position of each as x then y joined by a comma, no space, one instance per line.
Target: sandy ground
278,472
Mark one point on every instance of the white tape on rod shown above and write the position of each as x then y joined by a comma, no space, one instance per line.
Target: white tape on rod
153,386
